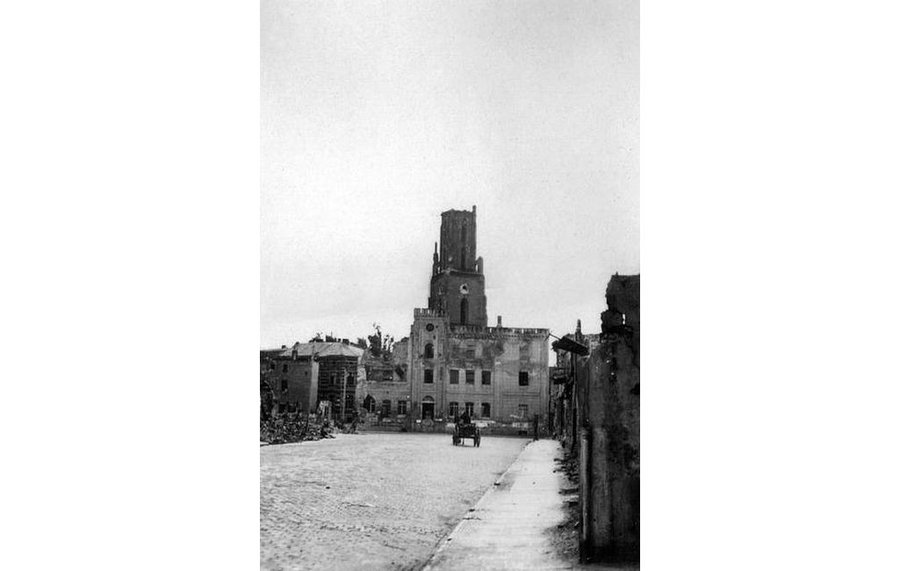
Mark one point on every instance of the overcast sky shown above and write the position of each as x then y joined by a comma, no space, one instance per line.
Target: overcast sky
378,116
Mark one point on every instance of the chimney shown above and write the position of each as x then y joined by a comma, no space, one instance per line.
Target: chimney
499,321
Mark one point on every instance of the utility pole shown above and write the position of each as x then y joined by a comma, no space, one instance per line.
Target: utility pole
344,395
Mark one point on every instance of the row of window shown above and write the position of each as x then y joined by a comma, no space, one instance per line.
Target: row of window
370,406
470,409
470,377
485,409
429,378
453,408
524,351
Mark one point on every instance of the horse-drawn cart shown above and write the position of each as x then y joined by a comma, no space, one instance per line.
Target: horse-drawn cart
463,431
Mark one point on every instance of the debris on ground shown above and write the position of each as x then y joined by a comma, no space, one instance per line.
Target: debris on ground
565,536
298,427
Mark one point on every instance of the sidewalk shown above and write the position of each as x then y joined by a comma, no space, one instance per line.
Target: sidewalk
509,527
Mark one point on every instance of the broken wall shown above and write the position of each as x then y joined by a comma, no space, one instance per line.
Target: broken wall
612,394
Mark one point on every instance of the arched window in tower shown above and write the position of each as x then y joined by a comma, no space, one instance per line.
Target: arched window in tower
464,311
429,351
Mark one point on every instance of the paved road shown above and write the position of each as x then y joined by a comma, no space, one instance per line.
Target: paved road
373,501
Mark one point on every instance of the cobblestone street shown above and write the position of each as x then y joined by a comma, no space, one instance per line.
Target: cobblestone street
373,501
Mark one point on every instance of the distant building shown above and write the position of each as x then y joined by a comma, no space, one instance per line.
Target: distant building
306,374
456,362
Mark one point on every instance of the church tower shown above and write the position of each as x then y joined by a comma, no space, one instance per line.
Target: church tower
457,274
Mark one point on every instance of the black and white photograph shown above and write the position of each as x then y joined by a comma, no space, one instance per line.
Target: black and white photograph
430,221
450,285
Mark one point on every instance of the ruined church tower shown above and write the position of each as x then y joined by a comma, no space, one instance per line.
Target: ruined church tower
457,274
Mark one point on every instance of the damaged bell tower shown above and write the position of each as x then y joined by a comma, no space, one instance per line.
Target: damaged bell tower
457,274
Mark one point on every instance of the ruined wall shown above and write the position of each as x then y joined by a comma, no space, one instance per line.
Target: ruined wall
623,315
472,351
400,353
385,380
613,399
299,376
384,384
458,240
393,392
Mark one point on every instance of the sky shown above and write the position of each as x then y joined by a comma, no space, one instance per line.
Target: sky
377,116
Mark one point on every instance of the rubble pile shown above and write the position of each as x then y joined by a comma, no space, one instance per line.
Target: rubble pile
565,536
295,427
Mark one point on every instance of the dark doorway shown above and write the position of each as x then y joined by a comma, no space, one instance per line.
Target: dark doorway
428,409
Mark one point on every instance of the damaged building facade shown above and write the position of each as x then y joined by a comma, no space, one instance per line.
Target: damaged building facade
597,400
452,362
456,362
383,391
306,374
